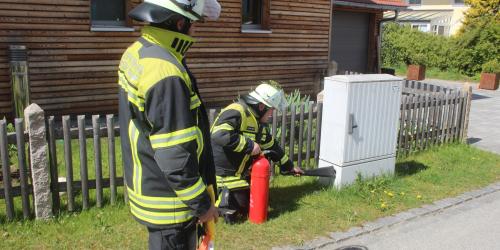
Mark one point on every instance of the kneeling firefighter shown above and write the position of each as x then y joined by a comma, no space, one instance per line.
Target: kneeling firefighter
168,162
239,132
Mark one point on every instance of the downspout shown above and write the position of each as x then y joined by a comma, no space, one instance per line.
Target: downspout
379,42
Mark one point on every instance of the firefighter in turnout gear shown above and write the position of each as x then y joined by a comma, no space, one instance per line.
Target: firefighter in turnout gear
168,161
240,132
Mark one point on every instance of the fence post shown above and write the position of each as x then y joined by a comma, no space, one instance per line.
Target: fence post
35,119
467,111
4,157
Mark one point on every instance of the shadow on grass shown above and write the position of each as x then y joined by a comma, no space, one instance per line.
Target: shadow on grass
286,199
409,168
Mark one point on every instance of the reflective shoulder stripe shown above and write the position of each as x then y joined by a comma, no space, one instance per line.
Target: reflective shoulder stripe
283,160
223,126
195,101
174,138
159,64
150,50
241,144
191,192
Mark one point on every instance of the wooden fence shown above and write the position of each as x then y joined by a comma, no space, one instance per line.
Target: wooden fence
432,115
429,116
80,185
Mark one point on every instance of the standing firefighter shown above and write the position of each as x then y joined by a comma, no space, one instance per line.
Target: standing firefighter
169,168
240,132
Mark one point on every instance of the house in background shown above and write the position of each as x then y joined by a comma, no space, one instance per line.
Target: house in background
355,31
74,47
441,17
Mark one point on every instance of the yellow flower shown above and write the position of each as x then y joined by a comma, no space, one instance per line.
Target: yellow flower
383,205
419,196
372,191
390,194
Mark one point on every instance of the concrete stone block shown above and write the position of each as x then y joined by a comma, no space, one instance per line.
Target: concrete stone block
35,119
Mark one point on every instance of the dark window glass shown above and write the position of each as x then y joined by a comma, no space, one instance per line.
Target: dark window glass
251,12
415,1
108,10
459,1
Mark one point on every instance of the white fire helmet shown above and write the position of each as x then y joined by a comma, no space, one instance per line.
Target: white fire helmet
270,96
157,11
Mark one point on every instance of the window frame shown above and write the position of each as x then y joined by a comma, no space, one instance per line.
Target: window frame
109,25
264,26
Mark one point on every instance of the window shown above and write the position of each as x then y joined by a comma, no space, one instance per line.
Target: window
255,16
422,27
417,2
108,15
459,2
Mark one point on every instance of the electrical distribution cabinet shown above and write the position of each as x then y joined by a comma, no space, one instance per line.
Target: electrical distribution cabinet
359,126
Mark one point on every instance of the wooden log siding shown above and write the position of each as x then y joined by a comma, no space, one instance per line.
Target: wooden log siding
73,70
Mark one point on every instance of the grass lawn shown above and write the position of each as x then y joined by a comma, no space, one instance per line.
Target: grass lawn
300,209
438,74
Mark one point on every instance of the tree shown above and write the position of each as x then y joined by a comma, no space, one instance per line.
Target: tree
479,12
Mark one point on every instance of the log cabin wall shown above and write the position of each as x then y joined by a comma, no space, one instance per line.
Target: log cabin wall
73,70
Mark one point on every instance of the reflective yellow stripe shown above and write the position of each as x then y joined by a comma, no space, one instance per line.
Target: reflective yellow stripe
137,173
199,140
231,182
223,126
241,144
179,137
191,192
195,101
249,135
268,145
133,94
174,138
284,159
156,202
160,218
242,165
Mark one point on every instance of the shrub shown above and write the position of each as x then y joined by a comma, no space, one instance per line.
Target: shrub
492,66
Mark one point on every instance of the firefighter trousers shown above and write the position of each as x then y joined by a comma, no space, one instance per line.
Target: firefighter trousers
184,238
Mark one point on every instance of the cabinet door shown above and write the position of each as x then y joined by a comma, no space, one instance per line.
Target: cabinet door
373,114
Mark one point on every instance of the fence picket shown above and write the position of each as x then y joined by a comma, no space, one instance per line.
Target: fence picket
97,160
446,118
402,119
309,134
83,161
318,133
7,185
111,157
23,173
419,121
301,135
467,112
425,122
68,162
54,180
413,123
283,128
291,147
456,116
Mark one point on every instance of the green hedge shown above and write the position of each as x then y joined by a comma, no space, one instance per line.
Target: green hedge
465,53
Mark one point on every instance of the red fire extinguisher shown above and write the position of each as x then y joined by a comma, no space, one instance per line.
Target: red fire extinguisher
259,190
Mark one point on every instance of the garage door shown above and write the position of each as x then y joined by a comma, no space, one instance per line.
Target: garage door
350,41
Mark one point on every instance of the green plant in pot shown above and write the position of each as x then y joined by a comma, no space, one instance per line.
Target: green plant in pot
490,74
416,66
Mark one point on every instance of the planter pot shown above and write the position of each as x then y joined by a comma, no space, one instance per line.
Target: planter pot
416,72
489,81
